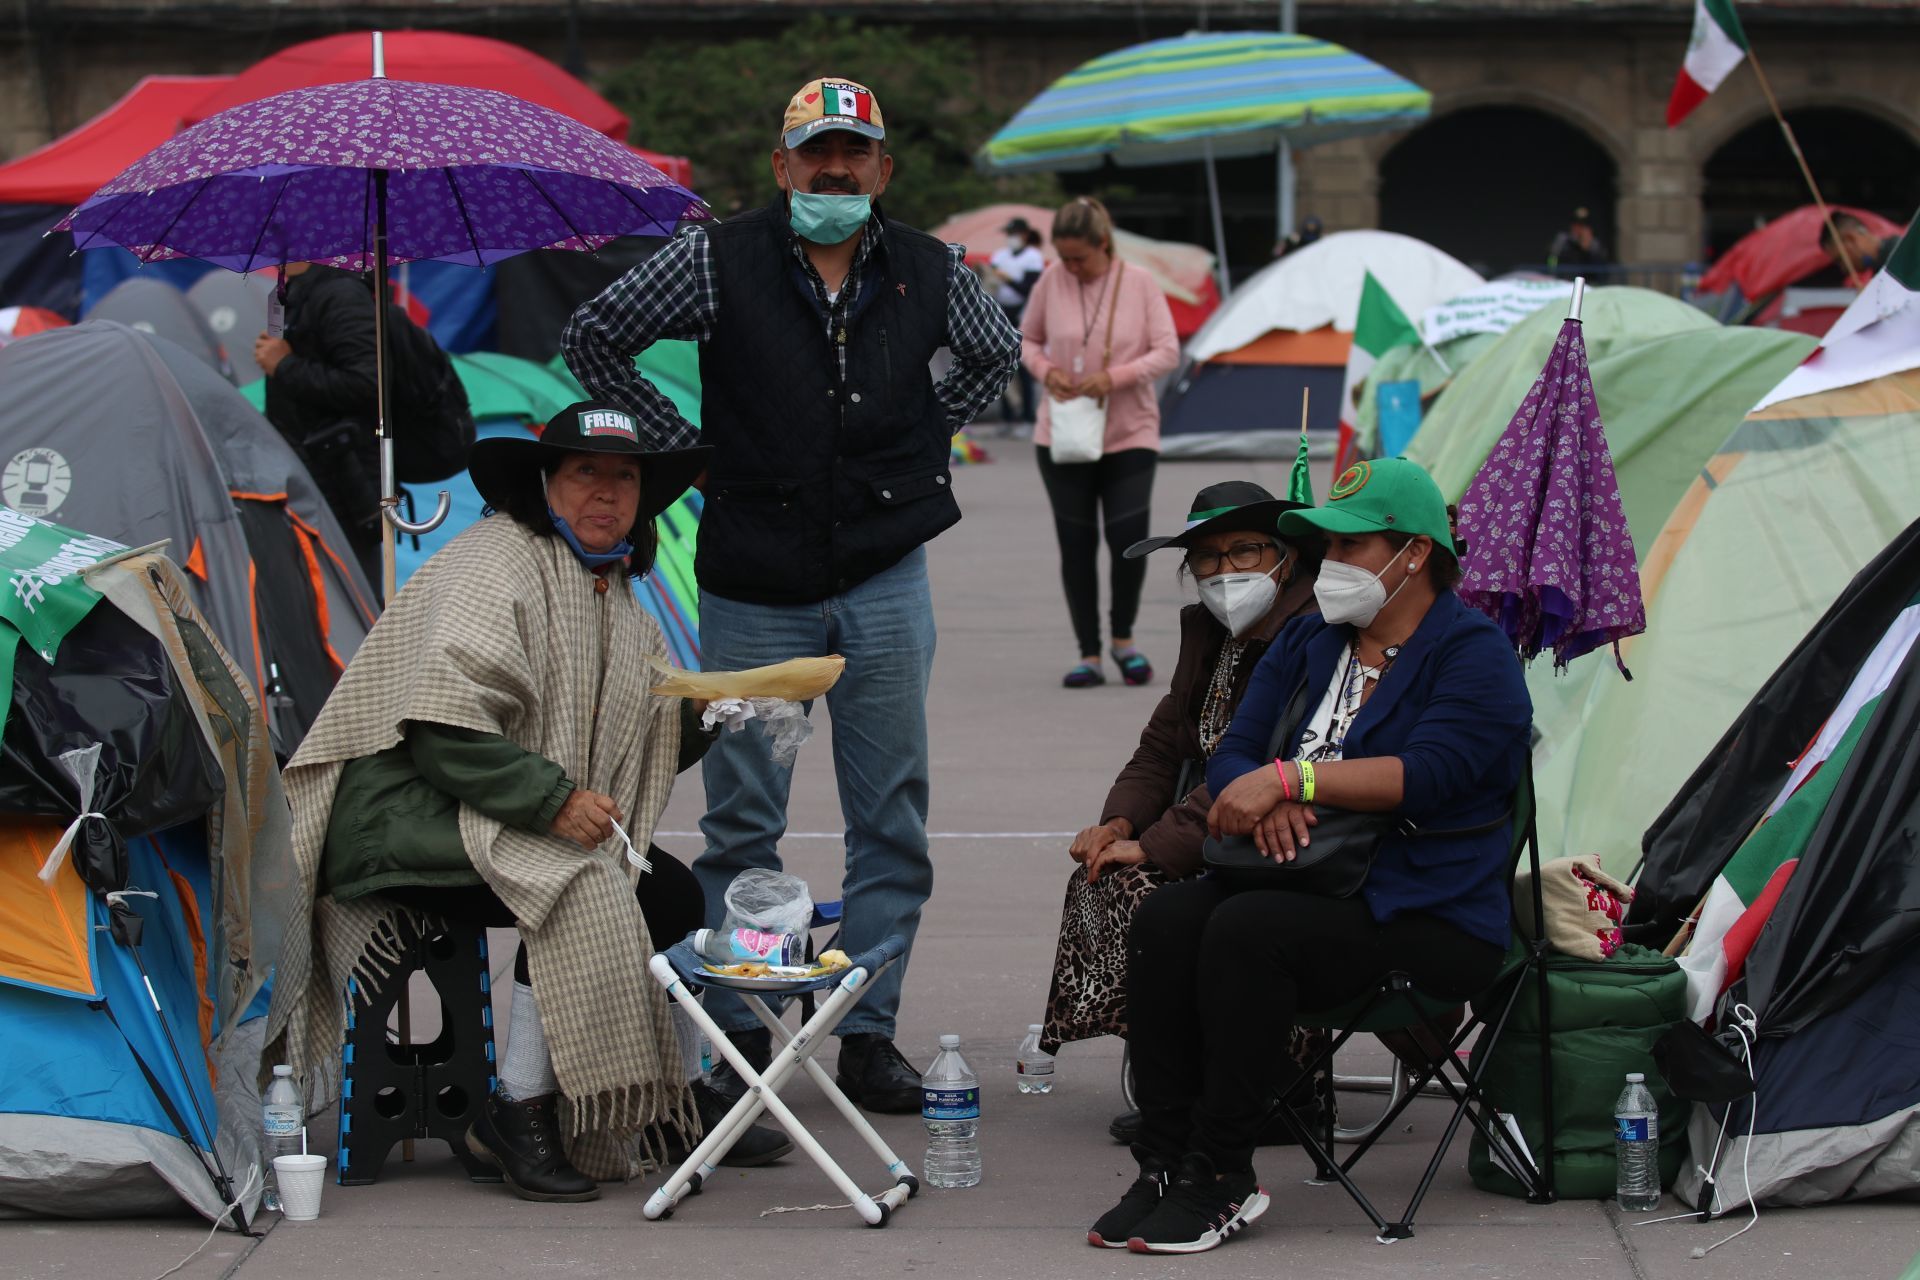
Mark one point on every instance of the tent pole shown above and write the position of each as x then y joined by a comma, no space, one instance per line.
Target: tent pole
1219,226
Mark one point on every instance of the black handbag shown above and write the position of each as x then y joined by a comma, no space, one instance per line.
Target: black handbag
1340,851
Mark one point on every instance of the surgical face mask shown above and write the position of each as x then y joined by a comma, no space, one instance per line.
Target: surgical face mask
1240,600
828,219
1349,594
1016,243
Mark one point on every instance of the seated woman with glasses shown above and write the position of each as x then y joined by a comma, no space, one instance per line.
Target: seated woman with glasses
1409,703
1154,821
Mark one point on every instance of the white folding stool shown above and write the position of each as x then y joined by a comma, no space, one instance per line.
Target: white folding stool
682,970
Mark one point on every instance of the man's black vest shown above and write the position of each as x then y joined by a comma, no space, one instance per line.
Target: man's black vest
820,480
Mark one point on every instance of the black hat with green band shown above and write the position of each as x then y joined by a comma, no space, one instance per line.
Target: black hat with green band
1227,507
1386,495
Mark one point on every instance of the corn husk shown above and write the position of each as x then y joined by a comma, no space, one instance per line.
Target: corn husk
795,680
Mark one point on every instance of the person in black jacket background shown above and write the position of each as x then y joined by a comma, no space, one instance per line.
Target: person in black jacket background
320,396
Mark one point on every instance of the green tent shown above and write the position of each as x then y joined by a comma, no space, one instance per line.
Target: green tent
1671,382
1795,501
672,366
542,393
1414,364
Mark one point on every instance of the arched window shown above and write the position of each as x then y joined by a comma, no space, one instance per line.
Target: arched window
1494,185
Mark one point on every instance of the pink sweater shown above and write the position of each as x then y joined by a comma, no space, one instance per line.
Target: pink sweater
1145,346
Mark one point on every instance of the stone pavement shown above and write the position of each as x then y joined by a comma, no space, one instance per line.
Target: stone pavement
1017,762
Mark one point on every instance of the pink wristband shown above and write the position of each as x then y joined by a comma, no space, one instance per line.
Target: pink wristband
1286,788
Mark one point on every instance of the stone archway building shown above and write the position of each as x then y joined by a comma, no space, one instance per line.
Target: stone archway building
1604,67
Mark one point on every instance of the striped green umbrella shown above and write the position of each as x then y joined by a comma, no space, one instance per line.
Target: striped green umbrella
1203,96
1237,93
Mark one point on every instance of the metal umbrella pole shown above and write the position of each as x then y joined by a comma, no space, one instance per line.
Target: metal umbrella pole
390,518
1219,223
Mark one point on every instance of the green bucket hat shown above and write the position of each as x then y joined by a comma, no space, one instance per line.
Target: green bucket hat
1386,495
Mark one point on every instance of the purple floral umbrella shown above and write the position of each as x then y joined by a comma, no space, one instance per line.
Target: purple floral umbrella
1548,553
373,172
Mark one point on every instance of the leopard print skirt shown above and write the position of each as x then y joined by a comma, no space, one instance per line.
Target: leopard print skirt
1089,991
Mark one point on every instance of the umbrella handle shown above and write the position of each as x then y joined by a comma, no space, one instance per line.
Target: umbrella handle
390,508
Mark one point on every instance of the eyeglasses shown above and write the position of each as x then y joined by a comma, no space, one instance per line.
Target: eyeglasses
1241,555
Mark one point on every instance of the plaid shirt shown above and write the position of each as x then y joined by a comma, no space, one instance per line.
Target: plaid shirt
675,294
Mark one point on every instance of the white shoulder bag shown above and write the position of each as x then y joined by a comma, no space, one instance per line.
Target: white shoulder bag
1080,424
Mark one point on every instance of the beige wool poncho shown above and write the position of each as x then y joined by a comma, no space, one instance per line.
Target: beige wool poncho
503,632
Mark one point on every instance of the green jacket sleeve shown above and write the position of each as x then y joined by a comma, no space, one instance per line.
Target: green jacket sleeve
501,779
694,740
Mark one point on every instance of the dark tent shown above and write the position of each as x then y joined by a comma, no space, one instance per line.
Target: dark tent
168,449
153,306
1793,854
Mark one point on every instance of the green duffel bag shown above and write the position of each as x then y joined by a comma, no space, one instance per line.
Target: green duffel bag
1606,1017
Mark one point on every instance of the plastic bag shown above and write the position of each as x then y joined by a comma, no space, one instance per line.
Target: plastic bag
787,726
770,901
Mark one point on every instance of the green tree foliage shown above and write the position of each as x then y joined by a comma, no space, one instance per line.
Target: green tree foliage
720,104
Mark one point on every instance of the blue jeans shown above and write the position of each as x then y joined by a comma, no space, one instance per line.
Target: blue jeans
884,629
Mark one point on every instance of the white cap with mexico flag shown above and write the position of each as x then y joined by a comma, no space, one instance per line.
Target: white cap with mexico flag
832,103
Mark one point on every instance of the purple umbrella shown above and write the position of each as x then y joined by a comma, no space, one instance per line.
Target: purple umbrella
373,172
1548,553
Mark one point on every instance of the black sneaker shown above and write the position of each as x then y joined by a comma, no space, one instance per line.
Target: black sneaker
1142,1198
756,1046
1199,1210
1125,1128
875,1075
760,1144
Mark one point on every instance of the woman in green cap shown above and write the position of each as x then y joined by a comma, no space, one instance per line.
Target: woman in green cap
1251,582
1412,704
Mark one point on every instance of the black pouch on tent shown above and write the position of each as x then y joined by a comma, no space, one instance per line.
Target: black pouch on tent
111,685
1698,1067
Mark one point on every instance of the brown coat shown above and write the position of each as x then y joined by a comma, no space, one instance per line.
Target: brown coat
1171,828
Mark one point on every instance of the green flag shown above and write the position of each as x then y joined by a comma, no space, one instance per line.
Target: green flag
42,595
1300,484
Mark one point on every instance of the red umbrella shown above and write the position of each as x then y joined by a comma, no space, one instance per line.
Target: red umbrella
1785,250
435,57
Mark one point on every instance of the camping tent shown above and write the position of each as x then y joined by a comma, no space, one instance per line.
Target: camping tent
1792,844
127,1066
167,449
156,307
1184,272
1798,497
1289,328
1758,265
235,309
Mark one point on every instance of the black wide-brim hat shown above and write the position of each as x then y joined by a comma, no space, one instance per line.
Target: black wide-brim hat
1220,508
501,464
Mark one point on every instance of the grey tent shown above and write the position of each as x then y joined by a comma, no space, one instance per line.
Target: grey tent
165,448
235,309
154,306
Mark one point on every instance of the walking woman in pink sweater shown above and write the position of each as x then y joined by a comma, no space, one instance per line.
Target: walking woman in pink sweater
1098,328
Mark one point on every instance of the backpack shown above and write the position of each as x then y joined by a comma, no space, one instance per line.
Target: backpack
432,421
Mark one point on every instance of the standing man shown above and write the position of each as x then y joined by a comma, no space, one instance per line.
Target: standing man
816,318
320,393
1577,247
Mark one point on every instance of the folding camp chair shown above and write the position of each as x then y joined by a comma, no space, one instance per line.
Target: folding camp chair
1397,1004
682,970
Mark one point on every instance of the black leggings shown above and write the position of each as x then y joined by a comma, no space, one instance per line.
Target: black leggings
1215,977
671,902
1114,494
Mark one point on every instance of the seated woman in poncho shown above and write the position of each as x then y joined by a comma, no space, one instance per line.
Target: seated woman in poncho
478,762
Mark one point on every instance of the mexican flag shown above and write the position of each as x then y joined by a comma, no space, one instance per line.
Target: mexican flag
1380,327
844,100
1744,895
1717,47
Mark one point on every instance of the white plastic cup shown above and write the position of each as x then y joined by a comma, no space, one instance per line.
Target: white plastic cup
301,1177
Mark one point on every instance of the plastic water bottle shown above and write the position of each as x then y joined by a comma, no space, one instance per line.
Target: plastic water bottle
1636,1126
733,946
1033,1068
281,1119
950,1106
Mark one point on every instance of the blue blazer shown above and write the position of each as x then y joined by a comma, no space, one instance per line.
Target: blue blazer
1454,708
